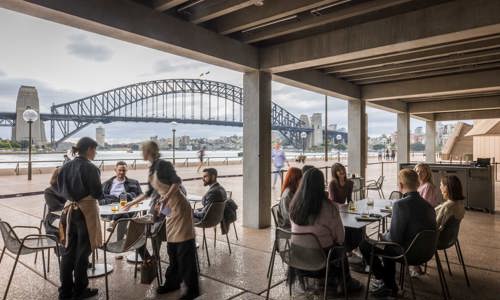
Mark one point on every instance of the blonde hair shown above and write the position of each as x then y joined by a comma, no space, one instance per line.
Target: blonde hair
427,170
408,178
151,148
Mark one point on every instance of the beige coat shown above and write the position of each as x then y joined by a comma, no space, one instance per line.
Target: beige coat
448,209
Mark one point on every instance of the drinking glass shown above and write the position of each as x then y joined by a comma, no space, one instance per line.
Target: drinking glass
123,200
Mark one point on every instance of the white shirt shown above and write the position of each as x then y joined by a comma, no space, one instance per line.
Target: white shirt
117,187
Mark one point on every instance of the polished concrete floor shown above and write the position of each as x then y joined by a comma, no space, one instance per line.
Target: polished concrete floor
242,274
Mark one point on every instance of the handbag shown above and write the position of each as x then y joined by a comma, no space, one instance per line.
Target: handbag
149,270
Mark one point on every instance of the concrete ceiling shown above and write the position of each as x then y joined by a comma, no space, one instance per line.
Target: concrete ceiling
428,57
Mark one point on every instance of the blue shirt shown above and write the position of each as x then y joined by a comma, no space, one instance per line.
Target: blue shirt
279,158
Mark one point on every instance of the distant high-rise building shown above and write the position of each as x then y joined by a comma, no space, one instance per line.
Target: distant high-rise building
28,96
317,125
100,136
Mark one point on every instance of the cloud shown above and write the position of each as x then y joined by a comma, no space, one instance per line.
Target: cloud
81,47
176,65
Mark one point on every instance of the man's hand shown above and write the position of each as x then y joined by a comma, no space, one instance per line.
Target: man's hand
128,206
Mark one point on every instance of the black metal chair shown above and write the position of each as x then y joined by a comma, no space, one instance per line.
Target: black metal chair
448,237
30,243
357,188
229,195
213,217
421,250
303,251
126,235
395,195
375,185
276,214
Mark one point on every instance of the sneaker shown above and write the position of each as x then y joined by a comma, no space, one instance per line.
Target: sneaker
87,293
167,288
375,284
416,271
384,292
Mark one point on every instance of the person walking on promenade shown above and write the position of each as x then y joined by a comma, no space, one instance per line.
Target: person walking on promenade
279,159
201,157
80,228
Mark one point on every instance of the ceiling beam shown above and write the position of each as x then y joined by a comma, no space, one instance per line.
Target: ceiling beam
453,58
439,24
466,115
417,55
270,11
311,21
394,106
468,104
447,85
163,5
209,10
138,24
319,82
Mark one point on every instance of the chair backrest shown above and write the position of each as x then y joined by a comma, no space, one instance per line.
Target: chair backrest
380,181
300,250
356,184
214,215
277,218
229,195
395,195
422,248
127,234
449,234
10,239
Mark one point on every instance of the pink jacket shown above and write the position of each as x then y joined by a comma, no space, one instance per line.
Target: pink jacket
429,193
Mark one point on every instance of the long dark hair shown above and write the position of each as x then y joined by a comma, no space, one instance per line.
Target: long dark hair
453,187
83,146
306,204
335,168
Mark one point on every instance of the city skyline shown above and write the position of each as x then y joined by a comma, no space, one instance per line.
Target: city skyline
73,63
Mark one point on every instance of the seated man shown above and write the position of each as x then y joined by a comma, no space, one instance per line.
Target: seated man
215,193
410,215
118,185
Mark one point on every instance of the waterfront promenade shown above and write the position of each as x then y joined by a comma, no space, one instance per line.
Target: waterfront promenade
241,275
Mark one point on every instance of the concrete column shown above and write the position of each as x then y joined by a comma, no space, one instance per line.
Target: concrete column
357,137
403,141
430,141
257,149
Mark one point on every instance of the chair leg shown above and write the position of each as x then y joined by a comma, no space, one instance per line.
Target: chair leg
206,246
461,257
346,294
48,260
382,192
1,255
271,261
228,244
43,264
269,280
447,262
325,291
106,274
215,236
197,262
442,278
235,232
136,258
369,273
58,254
407,269
12,273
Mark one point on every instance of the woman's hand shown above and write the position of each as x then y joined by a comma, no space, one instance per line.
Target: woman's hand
128,206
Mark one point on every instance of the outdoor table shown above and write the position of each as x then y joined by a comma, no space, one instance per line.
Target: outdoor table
194,199
106,213
379,207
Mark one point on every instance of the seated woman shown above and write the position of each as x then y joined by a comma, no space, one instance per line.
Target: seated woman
340,191
290,185
426,189
54,202
311,212
453,205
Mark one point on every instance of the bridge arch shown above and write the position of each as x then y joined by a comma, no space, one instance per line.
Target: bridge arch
194,101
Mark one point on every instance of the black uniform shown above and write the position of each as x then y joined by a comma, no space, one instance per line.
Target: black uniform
77,179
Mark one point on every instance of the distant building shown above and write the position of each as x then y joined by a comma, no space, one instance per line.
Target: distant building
28,96
184,140
486,139
458,145
317,125
100,136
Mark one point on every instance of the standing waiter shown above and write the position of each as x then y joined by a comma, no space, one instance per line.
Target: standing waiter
80,230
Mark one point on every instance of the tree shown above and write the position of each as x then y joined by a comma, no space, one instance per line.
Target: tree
340,147
417,147
378,147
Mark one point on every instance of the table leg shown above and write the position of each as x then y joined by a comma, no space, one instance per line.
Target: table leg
97,270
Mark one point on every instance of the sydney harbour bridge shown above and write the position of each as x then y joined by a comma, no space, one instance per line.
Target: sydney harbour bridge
189,101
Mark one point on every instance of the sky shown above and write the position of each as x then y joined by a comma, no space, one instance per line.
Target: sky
66,63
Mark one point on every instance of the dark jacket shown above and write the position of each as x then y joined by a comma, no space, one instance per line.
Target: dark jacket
216,193
132,188
410,215
78,179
